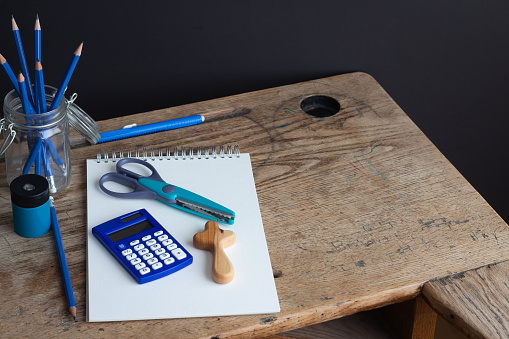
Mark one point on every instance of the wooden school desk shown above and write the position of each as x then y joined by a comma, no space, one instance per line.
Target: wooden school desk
360,211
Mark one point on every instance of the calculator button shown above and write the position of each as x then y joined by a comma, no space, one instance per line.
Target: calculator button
121,247
167,242
164,256
144,270
135,242
157,265
162,237
158,233
172,247
131,256
179,254
159,251
169,261
155,247
135,261
152,261
145,238
148,256
126,252
140,265
151,242
139,247
143,251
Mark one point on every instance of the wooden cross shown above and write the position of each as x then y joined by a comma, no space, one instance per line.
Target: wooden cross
215,240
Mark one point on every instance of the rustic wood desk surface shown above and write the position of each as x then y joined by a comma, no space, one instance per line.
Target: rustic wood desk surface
360,210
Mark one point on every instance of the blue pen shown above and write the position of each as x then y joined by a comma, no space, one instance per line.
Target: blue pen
22,60
67,77
150,128
61,258
128,132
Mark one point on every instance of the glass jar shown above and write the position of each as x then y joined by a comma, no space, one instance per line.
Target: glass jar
37,143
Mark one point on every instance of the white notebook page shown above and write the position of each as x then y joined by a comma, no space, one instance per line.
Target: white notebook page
113,295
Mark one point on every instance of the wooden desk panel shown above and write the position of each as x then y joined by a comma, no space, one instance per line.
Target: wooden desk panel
360,210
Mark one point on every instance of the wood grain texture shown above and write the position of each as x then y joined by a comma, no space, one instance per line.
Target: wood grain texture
361,325
359,209
476,301
215,240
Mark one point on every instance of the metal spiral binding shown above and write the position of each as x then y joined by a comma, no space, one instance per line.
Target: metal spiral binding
184,153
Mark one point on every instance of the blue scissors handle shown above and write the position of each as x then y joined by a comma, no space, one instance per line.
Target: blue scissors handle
140,192
120,169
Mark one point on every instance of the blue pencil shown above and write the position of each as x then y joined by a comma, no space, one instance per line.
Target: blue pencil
40,93
61,258
35,150
22,61
67,77
48,173
37,50
37,39
9,73
12,78
39,87
23,94
32,156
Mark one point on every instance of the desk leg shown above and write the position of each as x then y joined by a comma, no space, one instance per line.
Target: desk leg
410,319
476,302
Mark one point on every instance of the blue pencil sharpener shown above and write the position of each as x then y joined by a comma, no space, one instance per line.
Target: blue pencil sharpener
30,205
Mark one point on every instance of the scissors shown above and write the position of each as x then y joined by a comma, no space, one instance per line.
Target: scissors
154,187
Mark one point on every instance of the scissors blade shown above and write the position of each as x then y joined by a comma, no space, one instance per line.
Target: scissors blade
220,216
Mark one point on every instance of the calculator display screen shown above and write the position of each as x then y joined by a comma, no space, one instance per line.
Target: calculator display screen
131,230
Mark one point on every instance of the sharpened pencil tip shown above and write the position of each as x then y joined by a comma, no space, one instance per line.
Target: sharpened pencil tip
72,309
2,59
78,50
21,78
38,65
14,25
37,24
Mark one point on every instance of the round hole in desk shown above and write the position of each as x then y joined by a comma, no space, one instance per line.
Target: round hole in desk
320,106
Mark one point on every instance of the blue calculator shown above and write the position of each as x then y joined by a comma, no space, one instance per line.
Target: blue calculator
143,246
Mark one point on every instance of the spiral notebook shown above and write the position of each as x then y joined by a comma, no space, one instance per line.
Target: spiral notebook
225,177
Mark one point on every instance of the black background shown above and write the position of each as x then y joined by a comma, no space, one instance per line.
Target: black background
446,63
